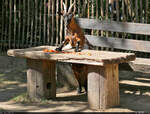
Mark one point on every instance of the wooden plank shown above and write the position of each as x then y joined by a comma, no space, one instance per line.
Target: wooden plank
146,15
127,7
23,23
48,22
117,14
88,15
64,27
127,44
141,65
58,21
6,26
141,11
112,18
40,26
113,96
53,22
84,9
32,22
19,25
97,16
3,25
107,17
112,11
146,11
44,22
117,9
136,11
114,26
102,16
28,22
92,14
15,24
107,10
36,22
96,57
123,11
10,23
136,14
41,81
61,23
79,6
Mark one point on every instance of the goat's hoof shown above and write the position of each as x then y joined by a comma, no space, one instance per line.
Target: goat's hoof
79,91
58,49
77,50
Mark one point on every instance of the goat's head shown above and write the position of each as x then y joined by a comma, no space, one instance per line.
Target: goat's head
67,15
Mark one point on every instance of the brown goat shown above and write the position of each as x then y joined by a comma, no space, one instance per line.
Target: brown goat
74,34
75,37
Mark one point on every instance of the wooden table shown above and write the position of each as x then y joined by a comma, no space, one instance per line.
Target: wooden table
103,82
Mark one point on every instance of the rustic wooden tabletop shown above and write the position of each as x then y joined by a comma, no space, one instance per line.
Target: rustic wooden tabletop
92,57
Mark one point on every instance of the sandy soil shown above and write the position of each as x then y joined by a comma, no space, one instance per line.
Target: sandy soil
134,92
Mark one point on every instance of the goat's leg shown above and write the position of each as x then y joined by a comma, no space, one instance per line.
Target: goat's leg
59,48
79,89
85,86
80,72
77,47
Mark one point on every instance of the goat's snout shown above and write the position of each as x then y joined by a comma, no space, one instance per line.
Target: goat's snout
67,21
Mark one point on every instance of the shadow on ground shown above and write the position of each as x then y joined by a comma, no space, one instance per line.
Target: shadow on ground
134,92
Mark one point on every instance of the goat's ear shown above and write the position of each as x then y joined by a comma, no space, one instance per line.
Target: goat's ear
60,13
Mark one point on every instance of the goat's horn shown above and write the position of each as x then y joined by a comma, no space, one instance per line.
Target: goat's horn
65,8
70,8
74,10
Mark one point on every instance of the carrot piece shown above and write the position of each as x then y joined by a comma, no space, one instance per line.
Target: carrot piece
89,54
45,50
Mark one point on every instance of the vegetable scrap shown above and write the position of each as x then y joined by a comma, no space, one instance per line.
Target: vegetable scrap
66,52
46,50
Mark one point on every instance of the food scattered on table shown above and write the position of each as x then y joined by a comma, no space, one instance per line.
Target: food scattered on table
67,52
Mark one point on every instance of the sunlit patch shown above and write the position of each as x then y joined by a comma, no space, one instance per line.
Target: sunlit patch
128,92
146,79
134,83
146,93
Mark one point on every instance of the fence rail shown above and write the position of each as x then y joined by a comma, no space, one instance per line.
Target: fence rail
26,23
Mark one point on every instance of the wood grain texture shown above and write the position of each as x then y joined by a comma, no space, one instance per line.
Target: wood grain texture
41,81
141,65
94,87
113,96
114,26
103,86
119,43
95,57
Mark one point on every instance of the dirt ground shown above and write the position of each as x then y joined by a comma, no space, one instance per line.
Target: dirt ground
134,92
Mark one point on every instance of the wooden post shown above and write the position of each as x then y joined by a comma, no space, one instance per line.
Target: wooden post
41,81
103,86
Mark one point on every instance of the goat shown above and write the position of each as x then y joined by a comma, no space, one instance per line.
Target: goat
75,37
74,34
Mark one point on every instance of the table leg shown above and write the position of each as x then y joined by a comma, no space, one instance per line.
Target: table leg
103,86
41,82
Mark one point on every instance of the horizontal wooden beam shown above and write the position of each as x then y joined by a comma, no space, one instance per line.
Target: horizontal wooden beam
91,57
125,27
118,43
140,65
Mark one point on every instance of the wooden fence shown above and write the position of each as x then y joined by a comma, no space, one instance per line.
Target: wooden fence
26,23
